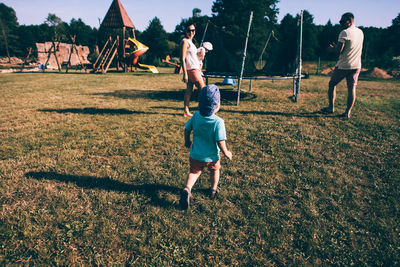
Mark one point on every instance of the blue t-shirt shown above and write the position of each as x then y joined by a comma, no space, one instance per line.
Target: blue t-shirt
206,132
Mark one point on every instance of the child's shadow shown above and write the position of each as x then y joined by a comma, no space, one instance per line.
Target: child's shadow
105,183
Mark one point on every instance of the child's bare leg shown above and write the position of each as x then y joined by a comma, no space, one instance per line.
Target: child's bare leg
214,179
191,180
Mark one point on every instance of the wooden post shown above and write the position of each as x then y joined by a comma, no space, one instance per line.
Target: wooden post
53,49
26,59
113,54
101,53
55,54
117,54
123,48
70,53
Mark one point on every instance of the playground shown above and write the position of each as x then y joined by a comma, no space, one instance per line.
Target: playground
93,160
92,167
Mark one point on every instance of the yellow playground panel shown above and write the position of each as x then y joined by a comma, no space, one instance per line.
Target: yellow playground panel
138,50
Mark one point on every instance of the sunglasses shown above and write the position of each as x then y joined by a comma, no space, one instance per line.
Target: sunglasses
191,30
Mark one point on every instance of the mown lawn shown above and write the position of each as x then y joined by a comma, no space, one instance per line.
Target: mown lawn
91,167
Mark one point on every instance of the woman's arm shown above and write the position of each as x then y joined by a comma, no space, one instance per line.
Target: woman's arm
183,60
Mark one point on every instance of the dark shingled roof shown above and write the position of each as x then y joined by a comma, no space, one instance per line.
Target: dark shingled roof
117,17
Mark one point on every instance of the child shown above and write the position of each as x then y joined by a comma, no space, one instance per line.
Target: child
208,139
202,50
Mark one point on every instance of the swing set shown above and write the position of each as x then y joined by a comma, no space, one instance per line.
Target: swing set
296,77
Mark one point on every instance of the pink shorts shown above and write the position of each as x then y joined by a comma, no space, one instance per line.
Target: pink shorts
338,75
194,76
197,166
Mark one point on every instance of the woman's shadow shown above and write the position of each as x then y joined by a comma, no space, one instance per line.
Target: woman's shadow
105,183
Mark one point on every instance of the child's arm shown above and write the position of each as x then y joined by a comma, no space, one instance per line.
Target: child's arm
188,142
222,146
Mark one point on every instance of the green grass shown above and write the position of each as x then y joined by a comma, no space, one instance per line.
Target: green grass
91,167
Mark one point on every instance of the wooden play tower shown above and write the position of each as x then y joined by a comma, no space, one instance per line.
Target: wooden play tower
116,18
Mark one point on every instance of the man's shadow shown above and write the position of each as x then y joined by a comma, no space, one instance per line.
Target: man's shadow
105,183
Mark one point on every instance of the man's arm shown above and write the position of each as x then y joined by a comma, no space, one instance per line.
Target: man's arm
336,48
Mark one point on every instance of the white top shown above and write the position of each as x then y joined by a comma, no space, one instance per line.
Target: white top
201,53
350,57
192,60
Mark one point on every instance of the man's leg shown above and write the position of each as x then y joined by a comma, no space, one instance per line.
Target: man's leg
331,97
337,77
352,79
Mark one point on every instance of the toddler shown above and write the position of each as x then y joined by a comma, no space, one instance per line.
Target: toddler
208,140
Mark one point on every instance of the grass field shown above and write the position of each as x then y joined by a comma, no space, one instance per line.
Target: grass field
91,167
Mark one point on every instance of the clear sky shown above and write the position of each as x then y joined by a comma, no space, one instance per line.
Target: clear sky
377,13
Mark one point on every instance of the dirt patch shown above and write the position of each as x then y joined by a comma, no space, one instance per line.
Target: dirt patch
378,73
11,60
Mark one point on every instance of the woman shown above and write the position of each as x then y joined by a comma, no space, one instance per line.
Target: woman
190,67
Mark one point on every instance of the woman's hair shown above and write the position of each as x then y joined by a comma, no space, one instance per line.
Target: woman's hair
188,26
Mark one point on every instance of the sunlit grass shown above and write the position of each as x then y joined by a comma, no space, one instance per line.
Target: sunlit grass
91,169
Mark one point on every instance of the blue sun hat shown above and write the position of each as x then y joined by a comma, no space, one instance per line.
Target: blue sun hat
209,98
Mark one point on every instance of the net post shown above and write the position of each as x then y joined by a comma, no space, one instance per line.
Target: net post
299,55
244,57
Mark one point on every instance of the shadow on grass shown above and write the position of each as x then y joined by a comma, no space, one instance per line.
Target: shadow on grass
98,111
106,183
314,114
227,95
146,94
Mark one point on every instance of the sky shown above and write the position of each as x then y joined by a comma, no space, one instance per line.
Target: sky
377,13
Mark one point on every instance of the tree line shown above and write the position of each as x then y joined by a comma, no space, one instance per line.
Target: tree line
226,29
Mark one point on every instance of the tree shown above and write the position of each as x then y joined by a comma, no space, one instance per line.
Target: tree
326,35
53,21
85,35
286,50
155,37
310,40
231,18
8,34
196,12
394,36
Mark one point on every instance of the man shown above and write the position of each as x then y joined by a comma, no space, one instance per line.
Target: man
349,49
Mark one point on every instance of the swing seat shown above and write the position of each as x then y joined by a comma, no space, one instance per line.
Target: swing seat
229,81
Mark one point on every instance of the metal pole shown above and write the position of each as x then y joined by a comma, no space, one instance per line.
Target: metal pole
299,58
204,34
265,47
244,57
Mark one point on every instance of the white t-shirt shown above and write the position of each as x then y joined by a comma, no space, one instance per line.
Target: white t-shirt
201,54
350,57
192,60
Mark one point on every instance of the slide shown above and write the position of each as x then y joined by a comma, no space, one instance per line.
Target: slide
139,49
151,68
